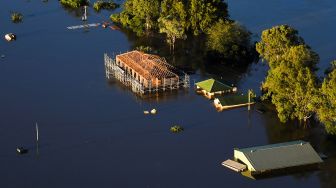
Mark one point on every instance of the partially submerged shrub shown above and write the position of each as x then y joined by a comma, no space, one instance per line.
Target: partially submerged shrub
176,129
74,3
16,17
146,49
101,4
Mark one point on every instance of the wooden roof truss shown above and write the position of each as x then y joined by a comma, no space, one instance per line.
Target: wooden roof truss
148,65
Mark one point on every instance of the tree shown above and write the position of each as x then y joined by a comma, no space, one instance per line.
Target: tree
138,15
74,3
175,10
292,90
276,42
327,108
204,13
173,29
229,39
291,83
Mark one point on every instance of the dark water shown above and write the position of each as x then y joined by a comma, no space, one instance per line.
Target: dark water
94,134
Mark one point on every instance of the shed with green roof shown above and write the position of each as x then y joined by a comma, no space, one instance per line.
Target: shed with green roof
211,87
285,155
226,102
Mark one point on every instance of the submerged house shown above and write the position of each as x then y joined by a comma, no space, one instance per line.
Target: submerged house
212,87
227,102
275,157
145,73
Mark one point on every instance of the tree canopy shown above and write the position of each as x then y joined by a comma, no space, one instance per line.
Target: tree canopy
204,13
195,16
229,39
327,108
291,83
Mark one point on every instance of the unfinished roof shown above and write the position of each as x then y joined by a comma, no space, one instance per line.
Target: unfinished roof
234,100
283,155
212,85
147,65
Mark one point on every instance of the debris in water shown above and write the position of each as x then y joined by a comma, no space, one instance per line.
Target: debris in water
10,37
146,112
83,26
21,150
153,111
176,129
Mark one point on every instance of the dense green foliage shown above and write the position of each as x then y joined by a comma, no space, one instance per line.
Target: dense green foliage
291,83
283,43
327,108
138,15
74,3
143,15
101,4
229,40
204,13
173,29
16,17
146,49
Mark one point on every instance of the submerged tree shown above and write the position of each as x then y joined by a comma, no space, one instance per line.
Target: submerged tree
173,29
291,83
138,15
292,90
195,16
16,17
204,13
229,40
276,42
327,108
74,3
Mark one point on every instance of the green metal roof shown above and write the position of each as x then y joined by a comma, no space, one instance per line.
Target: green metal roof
282,155
212,85
234,100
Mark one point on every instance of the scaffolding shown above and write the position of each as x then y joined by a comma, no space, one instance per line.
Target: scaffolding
156,74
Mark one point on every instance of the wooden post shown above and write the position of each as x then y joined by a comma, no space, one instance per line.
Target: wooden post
37,139
249,99
37,133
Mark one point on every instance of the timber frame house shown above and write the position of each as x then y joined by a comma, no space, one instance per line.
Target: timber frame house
145,73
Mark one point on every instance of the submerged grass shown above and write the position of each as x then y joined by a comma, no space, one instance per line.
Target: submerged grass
16,17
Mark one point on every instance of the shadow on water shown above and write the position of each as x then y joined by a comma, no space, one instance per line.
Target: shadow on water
74,12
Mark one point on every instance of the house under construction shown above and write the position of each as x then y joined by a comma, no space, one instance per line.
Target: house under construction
145,73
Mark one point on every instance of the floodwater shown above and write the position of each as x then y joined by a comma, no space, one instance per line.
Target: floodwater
93,132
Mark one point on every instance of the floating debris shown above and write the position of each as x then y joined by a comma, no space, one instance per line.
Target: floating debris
105,24
3,56
114,27
176,129
153,111
146,112
10,37
83,26
21,150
